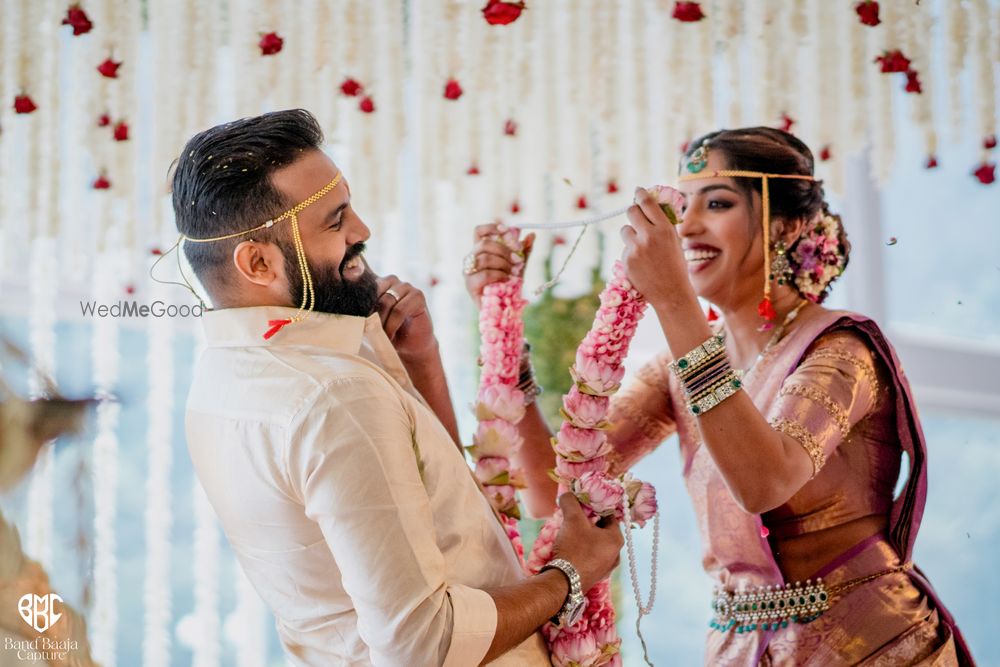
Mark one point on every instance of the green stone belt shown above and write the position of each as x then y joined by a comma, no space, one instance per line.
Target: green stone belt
773,607
769,607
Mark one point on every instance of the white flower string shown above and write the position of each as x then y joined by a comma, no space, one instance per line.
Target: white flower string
956,48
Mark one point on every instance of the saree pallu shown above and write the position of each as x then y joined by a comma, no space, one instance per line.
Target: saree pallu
892,619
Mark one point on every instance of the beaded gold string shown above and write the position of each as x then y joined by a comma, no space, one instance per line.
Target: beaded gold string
308,293
766,309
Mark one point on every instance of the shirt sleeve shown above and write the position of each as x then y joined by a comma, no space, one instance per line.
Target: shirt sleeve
641,415
353,460
834,387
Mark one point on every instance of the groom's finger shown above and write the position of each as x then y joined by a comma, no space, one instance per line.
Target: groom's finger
571,509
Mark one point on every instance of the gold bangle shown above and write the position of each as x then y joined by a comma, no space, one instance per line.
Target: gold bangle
715,394
699,356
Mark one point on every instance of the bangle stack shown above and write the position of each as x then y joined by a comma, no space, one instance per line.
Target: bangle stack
706,376
526,380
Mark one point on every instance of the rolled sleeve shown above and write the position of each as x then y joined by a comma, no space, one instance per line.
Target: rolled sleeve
473,628
354,459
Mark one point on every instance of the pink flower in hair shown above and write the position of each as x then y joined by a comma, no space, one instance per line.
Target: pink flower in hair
601,493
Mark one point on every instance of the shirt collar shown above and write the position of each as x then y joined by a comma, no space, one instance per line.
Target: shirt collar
245,327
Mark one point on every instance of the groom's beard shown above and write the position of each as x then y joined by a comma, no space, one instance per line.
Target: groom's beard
334,294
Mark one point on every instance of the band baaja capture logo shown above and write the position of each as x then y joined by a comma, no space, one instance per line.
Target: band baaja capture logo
38,611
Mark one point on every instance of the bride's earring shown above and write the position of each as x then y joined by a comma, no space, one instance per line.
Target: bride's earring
781,268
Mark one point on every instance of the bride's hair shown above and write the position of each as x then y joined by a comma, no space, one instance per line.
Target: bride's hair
773,151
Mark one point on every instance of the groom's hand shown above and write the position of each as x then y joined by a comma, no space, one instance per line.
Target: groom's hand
594,550
403,311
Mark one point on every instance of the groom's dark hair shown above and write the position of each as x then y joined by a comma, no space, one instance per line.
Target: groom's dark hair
222,185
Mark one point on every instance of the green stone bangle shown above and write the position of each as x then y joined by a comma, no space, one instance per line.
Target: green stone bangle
700,355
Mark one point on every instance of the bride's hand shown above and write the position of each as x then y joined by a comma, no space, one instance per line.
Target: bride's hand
493,261
653,257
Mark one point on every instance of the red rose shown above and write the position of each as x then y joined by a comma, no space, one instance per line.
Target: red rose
109,68
102,183
473,170
931,162
103,120
581,201
76,17
351,88
497,12
986,173
913,82
270,44
868,12
24,104
825,154
612,187
893,61
787,122
510,127
367,104
990,142
121,131
688,12
452,91
515,207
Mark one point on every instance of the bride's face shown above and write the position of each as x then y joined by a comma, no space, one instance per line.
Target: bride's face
721,236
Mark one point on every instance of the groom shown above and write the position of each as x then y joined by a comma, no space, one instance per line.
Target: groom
320,426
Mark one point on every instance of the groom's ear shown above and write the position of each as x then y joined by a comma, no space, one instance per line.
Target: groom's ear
259,263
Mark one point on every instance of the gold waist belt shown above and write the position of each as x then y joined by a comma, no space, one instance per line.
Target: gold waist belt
773,607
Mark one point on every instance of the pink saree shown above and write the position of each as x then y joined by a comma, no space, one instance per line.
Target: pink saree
881,618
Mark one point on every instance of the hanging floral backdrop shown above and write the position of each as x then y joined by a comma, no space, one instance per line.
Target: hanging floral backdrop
444,114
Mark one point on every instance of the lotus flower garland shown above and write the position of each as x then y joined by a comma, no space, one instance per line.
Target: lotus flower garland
581,444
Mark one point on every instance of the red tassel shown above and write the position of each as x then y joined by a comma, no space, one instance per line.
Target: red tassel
276,326
712,315
766,309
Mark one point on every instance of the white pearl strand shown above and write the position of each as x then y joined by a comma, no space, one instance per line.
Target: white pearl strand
643,609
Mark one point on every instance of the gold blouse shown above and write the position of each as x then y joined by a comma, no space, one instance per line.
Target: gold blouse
835,404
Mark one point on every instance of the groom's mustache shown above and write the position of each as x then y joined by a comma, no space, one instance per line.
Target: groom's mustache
352,252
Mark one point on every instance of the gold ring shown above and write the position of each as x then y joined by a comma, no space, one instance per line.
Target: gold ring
391,292
470,264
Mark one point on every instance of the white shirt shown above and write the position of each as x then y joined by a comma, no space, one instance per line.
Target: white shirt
347,504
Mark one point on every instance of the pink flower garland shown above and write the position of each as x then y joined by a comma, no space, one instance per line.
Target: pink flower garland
500,404
581,444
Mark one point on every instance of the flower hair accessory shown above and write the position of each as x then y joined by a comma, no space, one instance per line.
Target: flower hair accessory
818,257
